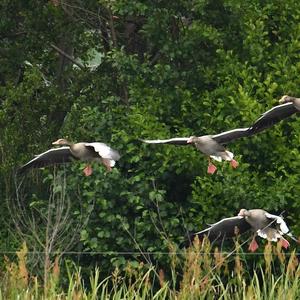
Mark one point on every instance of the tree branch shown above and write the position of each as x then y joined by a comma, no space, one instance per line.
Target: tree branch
112,28
78,64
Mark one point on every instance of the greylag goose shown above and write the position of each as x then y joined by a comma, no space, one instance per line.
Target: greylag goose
87,152
210,145
264,224
289,106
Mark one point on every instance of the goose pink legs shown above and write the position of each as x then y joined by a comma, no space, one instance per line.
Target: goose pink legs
88,170
253,245
285,244
211,169
234,163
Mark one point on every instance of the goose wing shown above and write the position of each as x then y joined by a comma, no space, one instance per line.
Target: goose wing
228,136
104,151
173,141
273,116
225,228
279,221
50,157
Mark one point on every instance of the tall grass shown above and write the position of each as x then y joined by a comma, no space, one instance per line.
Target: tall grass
199,273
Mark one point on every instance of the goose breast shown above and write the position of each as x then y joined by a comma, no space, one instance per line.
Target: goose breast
84,153
207,145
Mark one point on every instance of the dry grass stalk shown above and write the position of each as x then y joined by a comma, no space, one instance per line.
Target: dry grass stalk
268,256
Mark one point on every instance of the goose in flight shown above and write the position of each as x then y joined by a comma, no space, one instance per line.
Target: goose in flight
262,223
210,145
287,107
87,152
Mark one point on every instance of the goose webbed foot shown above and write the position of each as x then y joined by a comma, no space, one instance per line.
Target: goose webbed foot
284,243
253,245
88,170
211,169
234,164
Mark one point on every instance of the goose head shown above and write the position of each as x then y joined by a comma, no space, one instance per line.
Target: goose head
244,213
192,139
286,99
62,142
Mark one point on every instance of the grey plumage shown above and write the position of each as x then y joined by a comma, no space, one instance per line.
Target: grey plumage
266,225
225,228
289,106
53,156
262,223
86,152
211,145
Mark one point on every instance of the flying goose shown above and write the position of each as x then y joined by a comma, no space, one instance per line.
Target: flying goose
210,145
264,224
87,152
289,106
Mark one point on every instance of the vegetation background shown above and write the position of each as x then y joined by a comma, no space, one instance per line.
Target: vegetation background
118,71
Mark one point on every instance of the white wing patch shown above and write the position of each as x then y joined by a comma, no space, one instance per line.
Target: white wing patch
217,158
230,154
262,234
227,136
277,107
227,219
283,227
212,225
166,141
105,152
